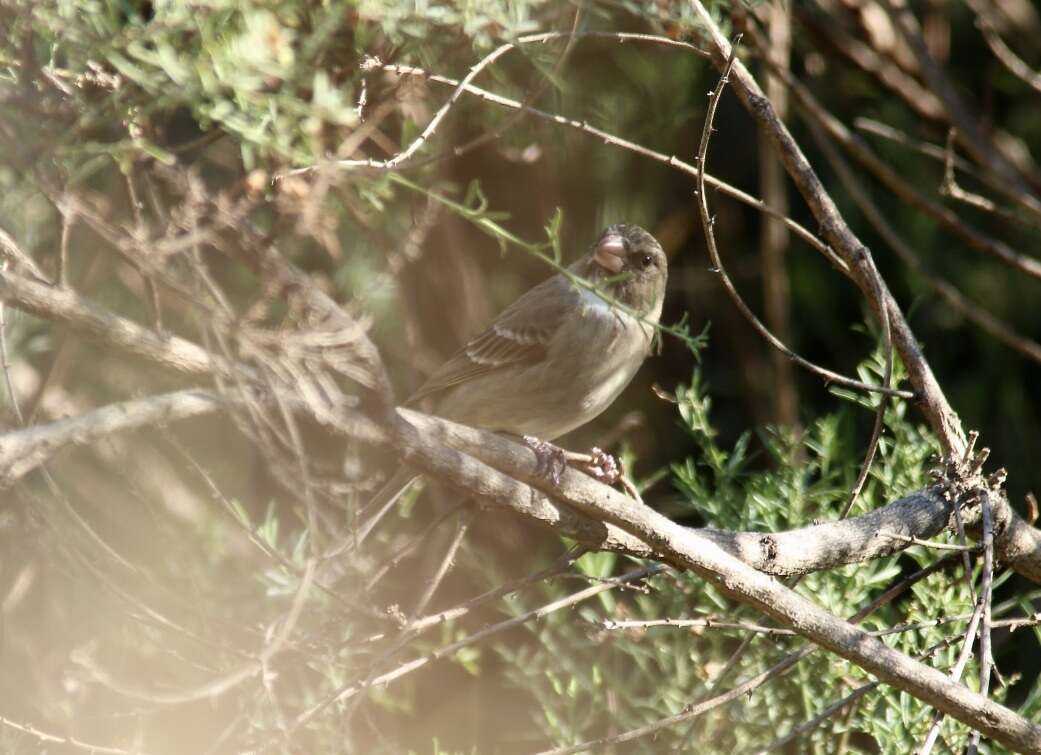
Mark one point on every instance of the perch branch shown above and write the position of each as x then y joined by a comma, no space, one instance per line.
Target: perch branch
1016,543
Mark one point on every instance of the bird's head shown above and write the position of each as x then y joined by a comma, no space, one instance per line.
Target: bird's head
632,262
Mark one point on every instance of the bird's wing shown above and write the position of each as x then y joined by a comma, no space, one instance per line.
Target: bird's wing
520,336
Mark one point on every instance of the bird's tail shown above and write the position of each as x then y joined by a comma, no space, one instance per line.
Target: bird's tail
383,501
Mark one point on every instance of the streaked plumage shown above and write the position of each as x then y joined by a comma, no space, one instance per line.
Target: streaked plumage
560,354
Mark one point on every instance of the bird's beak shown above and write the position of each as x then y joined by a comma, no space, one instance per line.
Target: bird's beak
610,253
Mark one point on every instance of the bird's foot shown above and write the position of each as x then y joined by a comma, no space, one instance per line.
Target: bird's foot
601,465
606,469
550,460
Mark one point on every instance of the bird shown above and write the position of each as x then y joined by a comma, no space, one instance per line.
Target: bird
554,359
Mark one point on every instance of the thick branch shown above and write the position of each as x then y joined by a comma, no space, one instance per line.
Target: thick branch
692,550
618,521
24,450
623,524
65,304
877,534
840,237
1016,542
450,450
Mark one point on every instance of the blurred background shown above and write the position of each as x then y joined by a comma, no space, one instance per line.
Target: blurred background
150,146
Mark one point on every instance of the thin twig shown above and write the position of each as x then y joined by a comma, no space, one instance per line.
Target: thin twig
964,117
838,705
930,543
742,689
955,674
706,623
986,595
401,553
951,295
707,223
608,138
68,741
253,534
880,410
11,252
559,566
403,156
5,362
943,215
68,219
1002,51
949,187
353,688
446,563
879,306
865,55
922,147
530,97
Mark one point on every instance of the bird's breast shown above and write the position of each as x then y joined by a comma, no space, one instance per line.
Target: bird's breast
604,352
589,361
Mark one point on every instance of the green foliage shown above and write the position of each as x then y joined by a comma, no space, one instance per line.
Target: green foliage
278,76
590,679
271,85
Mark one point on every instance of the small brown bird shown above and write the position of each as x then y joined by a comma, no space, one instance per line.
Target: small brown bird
558,356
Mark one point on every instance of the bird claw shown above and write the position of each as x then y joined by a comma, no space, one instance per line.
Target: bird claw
603,466
550,460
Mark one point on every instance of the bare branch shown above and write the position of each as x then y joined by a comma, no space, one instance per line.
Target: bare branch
876,534
986,596
951,295
930,396
617,141
735,297
970,132
24,450
350,690
68,306
68,741
10,250
956,672
1002,51
611,625
692,550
